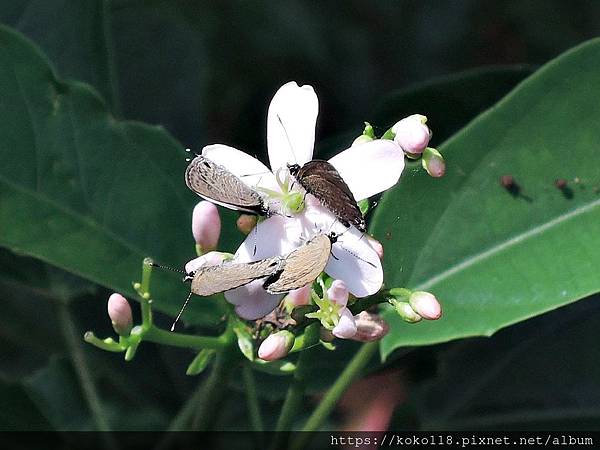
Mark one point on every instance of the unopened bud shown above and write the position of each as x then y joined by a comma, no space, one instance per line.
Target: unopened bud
405,311
433,162
376,245
425,305
119,312
346,327
206,227
276,346
338,293
209,259
246,223
411,133
369,327
299,297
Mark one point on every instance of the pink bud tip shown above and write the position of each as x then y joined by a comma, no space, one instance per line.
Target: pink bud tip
369,327
120,315
276,346
426,305
206,226
412,135
246,223
346,327
377,246
436,167
299,297
338,293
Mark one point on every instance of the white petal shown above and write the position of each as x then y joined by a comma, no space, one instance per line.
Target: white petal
252,301
249,169
209,259
291,125
346,327
370,168
275,236
355,262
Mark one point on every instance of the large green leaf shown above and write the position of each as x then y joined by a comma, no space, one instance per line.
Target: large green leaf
84,191
495,259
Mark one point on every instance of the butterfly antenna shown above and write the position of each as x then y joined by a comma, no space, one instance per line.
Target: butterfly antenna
153,264
181,311
358,257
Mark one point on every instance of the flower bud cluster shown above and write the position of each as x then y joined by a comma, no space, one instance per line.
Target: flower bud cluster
412,136
414,306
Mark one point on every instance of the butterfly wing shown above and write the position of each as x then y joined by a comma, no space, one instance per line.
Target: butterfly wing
224,277
302,266
216,184
322,180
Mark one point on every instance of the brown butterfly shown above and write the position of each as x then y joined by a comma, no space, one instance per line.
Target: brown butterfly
322,180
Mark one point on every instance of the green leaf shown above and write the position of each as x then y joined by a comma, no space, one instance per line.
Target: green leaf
200,362
71,33
84,191
244,339
492,258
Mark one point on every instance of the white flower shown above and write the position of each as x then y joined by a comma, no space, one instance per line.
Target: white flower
368,169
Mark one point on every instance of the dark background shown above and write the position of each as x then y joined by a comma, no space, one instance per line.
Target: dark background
206,71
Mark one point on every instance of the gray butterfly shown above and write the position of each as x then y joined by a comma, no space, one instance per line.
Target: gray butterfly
216,184
281,273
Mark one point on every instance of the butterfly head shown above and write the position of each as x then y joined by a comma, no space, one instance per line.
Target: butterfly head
293,169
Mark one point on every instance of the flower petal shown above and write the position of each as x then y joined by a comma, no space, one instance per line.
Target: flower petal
275,236
249,169
291,125
252,301
346,327
356,263
370,168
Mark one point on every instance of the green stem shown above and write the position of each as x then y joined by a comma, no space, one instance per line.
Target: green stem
350,373
365,303
253,403
295,393
72,340
160,336
144,292
111,71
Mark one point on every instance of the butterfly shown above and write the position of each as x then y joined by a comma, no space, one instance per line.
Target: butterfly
216,184
323,181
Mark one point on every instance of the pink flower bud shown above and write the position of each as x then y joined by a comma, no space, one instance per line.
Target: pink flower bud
346,327
369,327
246,223
377,246
412,135
206,226
425,305
276,346
299,297
338,293
433,162
119,312
209,259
